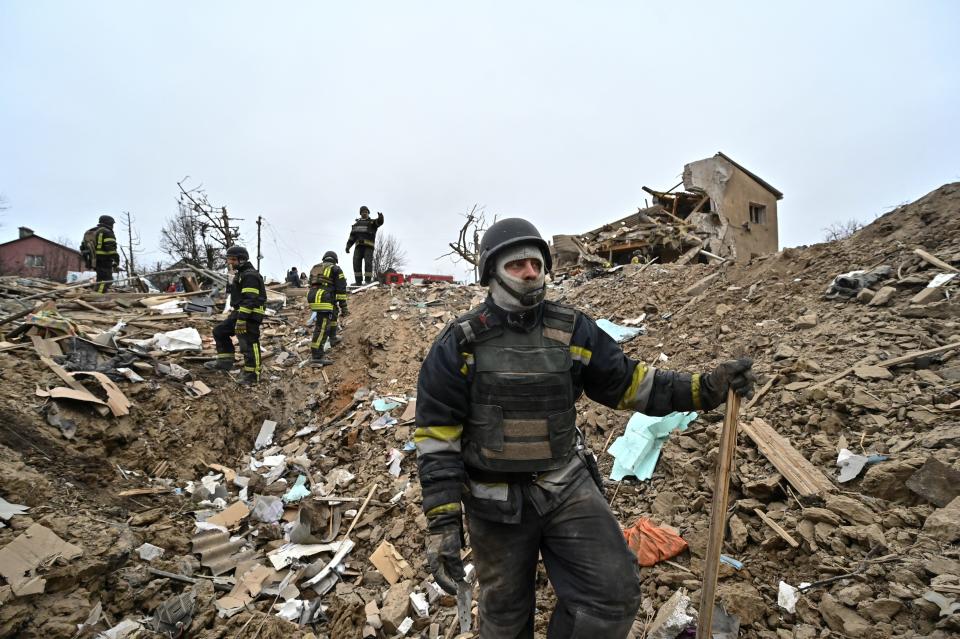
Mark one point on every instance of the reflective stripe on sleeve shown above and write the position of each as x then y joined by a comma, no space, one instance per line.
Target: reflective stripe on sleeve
638,392
437,439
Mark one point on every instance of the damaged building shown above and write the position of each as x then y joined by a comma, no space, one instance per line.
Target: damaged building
720,211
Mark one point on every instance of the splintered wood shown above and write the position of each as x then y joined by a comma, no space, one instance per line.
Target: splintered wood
801,474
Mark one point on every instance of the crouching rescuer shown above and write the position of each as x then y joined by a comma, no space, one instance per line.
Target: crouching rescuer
248,298
497,437
328,299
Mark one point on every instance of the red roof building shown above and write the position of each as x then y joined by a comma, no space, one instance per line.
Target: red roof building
33,256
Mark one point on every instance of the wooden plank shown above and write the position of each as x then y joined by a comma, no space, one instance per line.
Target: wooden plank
776,528
761,392
936,261
802,475
45,347
718,516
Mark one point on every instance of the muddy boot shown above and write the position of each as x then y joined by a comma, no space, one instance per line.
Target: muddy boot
335,340
219,364
320,362
248,378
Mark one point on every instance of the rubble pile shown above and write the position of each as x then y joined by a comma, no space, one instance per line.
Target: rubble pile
175,496
679,228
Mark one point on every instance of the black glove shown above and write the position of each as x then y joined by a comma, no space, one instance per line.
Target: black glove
347,250
736,374
443,556
343,310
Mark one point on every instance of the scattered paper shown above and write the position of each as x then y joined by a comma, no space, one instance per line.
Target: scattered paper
285,555
394,458
390,563
948,605
298,491
636,452
787,597
231,517
247,588
265,437
8,510
37,545
267,509
851,464
620,334
122,630
383,422
940,279
182,339
384,405
197,389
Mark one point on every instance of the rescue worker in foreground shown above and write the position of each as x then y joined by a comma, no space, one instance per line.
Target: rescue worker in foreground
99,251
496,430
363,233
327,296
248,297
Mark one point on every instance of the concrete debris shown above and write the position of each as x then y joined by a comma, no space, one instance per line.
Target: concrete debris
874,378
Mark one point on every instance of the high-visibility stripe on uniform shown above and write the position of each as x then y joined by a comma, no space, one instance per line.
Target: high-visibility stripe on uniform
467,363
695,391
581,354
255,291
318,343
638,392
436,439
443,509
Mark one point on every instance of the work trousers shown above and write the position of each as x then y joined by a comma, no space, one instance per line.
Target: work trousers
595,575
249,343
104,278
323,329
362,264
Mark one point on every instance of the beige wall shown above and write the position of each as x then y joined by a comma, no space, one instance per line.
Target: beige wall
732,191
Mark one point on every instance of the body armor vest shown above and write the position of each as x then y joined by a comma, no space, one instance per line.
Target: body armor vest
364,231
322,275
522,414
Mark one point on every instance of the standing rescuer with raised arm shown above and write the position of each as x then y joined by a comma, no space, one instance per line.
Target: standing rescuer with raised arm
496,432
363,233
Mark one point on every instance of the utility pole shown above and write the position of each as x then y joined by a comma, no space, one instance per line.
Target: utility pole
226,227
131,268
259,256
133,244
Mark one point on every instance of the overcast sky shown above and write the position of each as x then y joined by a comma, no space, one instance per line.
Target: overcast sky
555,111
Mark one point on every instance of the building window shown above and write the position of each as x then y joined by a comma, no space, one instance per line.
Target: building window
758,213
35,261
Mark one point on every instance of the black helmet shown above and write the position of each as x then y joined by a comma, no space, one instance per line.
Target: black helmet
330,256
510,232
106,220
363,210
238,252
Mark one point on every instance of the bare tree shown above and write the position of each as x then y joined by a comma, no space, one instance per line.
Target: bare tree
133,245
388,254
841,230
467,246
198,233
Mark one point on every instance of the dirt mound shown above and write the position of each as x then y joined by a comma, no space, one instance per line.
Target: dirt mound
345,432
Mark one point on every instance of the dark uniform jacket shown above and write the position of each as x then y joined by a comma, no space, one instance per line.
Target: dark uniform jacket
364,231
248,295
105,248
328,286
599,368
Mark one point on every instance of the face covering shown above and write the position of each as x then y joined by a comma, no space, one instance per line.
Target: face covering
512,293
